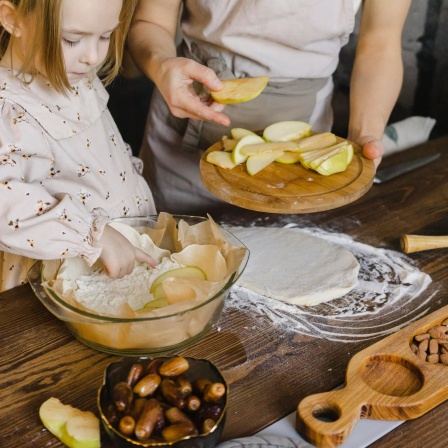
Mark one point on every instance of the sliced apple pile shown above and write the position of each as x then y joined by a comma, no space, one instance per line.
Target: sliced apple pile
74,428
240,90
329,160
285,142
336,163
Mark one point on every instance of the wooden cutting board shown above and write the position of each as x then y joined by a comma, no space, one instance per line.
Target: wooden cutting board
282,188
386,381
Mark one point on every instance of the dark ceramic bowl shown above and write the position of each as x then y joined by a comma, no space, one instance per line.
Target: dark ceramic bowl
118,371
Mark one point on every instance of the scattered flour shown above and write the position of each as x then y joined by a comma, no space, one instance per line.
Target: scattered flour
383,301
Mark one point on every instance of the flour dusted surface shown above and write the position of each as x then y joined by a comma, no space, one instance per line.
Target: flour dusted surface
391,293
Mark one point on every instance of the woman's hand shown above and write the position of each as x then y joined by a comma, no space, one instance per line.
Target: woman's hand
119,255
372,148
175,80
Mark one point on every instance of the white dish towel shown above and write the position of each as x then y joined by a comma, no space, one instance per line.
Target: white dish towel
407,133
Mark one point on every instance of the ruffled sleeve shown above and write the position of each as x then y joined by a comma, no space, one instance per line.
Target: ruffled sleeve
136,162
34,223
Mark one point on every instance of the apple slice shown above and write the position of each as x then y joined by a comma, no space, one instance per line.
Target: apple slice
307,157
187,271
257,162
239,90
159,300
228,143
311,143
350,154
286,131
288,158
237,156
314,163
337,163
259,148
316,141
222,159
74,428
239,133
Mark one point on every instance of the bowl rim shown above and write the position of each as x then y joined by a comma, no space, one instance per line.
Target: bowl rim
160,444
36,279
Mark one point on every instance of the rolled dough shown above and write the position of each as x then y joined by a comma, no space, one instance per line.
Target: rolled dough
293,266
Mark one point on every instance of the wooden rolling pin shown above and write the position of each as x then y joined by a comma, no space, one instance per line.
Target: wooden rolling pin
416,243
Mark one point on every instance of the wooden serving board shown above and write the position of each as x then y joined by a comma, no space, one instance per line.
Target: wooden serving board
385,381
283,188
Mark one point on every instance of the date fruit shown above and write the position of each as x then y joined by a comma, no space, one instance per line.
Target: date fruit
166,402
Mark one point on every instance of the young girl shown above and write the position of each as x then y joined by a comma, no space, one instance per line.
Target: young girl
65,171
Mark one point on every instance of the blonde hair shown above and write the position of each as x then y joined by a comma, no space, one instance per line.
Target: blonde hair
47,40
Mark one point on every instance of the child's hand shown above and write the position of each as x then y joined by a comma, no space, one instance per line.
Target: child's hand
119,255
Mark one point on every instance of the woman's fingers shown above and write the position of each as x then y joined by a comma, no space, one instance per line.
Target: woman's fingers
177,88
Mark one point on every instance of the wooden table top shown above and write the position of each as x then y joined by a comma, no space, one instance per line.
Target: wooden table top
268,372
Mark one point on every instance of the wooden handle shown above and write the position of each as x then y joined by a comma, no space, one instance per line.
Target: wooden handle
385,381
416,243
328,418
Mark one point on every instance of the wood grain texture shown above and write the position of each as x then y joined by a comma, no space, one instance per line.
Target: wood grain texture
385,381
288,188
269,370
416,243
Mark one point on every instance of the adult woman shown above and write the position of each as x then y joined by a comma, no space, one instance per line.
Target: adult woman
295,42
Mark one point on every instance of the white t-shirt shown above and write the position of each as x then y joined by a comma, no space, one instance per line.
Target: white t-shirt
293,39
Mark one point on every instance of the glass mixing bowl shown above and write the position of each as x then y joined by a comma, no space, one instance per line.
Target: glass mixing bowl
139,336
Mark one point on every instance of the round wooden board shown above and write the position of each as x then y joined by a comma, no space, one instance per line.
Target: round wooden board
283,188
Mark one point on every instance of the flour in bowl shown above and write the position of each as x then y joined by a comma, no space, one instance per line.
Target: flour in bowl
100,293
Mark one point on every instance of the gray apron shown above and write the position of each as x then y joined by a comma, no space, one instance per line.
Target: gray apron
173,147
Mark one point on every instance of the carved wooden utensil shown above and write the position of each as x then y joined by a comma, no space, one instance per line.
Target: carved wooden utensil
416,243
386,381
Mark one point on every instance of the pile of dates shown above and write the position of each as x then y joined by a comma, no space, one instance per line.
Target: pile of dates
158,403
